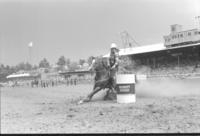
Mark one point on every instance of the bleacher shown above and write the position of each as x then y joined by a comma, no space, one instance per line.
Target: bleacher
184,60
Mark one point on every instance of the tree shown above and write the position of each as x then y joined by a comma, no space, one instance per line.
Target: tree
28,66
89,60
2,68
23,66
20,66
35,67
44,63
81,62
5,71
61,61
73,66
68,61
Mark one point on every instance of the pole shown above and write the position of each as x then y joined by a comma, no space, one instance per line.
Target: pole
198,21
30,52
178,65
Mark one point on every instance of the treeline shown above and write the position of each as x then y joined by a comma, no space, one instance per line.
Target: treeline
62,64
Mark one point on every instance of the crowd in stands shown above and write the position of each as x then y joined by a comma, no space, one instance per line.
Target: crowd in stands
184,66
163,66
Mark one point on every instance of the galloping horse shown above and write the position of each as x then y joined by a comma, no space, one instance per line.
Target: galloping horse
103,79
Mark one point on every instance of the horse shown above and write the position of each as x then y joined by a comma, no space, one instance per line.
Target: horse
103,79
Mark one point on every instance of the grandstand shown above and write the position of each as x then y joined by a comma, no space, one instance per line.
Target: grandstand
157,59
178,55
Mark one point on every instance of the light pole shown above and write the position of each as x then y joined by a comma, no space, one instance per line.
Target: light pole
198,21
30,45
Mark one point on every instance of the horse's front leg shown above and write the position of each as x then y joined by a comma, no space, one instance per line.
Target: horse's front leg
115,89
110,94
107,94
89,97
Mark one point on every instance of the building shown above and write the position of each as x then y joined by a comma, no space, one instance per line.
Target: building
81,74
180,51
177,37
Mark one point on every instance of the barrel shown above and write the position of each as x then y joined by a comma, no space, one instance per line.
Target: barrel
126,88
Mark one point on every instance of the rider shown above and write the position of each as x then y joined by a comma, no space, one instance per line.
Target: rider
113,62
92,64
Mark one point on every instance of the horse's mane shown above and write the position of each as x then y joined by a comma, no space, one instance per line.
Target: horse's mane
102,69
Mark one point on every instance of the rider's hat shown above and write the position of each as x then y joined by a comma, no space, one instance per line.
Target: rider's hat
113,45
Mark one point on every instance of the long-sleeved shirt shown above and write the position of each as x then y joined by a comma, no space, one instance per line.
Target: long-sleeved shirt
91,66
114,59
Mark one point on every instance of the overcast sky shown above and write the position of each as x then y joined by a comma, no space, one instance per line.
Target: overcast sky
81,28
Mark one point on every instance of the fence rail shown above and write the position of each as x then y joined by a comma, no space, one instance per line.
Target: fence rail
186,75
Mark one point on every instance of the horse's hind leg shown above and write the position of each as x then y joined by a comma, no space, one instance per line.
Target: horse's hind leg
89,97
95,90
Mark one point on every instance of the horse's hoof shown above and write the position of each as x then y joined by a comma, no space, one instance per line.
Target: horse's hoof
80,102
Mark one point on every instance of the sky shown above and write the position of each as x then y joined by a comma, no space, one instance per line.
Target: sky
78,29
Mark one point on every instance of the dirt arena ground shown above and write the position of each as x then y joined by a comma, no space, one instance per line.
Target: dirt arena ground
161,106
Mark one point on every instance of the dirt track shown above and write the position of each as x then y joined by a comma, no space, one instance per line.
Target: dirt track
54,110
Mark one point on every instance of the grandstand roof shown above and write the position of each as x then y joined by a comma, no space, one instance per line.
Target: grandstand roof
148,48
22,75
141,49
18,75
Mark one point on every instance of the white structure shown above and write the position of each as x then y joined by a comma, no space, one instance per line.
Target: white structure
148,48
176,28
30,45
126,82
140,49
18,75
180,37
125,79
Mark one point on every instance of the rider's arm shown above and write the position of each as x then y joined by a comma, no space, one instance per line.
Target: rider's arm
116,61
91,66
